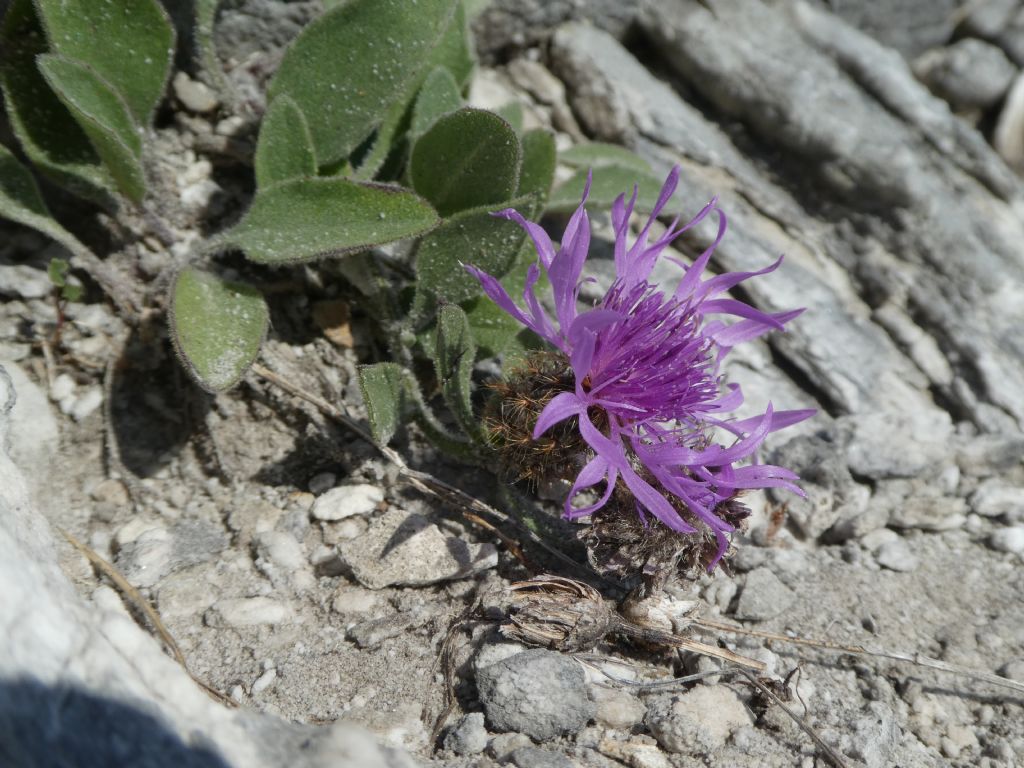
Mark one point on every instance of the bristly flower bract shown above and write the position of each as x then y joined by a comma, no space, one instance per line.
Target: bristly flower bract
646,393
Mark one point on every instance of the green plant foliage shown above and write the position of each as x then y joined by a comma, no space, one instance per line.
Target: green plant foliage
285,147
57,270
50,137
470,237
438,96
21,202
467,159
609,183
596,154
388,134
104,117
454,355
346,68
539,158
512,113
454,51
306,219
383,387
128,43
217,326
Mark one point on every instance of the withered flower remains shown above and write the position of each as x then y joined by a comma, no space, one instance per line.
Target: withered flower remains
635,380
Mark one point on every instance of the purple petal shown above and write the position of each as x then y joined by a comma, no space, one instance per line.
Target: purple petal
562,406
720,283
541,241
596,470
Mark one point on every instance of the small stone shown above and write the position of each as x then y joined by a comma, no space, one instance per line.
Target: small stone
194,95
763,596
1014,670
86,404
994,498
929,513
961,738
372,634
874,736
264,681
347,500
24,281
62,388
249,612
147,559
406,549
986,455
280,557
321,483
535,757
1008,136
876,539
468,737
354,600
504,744
540,693
698,721
617,708
1009,540
969,74
230,126
110,491
896,556
635,754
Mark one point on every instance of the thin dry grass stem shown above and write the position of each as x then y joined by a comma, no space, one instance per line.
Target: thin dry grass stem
859,650
421,481
833,756
142,606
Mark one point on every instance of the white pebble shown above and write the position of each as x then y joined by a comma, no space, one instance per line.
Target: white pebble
264,681
346,501
1008,540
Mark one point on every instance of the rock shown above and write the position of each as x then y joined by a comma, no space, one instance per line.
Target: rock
249,612
504,744
468,737
616,708
147,559
969,74
539,693
995,498
1009,540
909,26
990,454
406,549
1014,670
281,558
896,556
322,483
86,404
698,721
194,95
874,736
929,513
763,596
636,754
347,500
883,445
354,600
371,634
988,19
535,757
32,432
24,281
1008,136
264,681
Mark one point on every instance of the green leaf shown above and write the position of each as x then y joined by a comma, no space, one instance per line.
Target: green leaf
610,181
217,326
467,159
538,163
455,51
285,147
596,154
104,117
384,394
58,272
395,123
438,96
346,68
21,202
512,113
128,43
306,219
50,137
454,355
470,237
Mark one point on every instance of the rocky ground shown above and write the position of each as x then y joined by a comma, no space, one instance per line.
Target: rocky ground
880,150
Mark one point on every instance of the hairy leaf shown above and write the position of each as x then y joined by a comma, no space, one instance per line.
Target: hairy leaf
128,43
512,113
595,154
50,137
454,51
306,219
538,163
610,181
454,355
467,159
285,147
217,326
383,388
438,96
104,117
346,68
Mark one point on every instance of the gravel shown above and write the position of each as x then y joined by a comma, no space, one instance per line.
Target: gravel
763,596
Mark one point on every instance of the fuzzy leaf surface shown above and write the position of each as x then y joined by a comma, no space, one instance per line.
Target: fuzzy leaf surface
438,96
285,147
48,134
467,159
595,154
306,219
105,118
455,51
384,394
217,326
346,68
539,158
610,181
454,355
470,237
128,43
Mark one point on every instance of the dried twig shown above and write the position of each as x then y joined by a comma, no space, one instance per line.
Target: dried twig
132,595
859,650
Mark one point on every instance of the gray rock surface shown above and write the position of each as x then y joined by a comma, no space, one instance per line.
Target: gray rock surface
970,74
698,721
763,596
469,736
539,693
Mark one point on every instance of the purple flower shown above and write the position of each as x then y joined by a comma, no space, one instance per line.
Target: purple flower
648,393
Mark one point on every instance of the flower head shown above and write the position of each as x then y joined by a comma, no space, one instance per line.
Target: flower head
647,393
